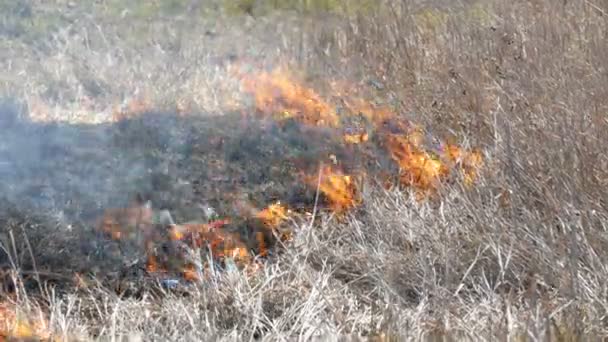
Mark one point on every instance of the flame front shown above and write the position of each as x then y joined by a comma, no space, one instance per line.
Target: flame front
363,126
277,95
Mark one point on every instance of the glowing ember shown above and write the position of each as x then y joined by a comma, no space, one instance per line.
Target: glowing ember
338,188
277,95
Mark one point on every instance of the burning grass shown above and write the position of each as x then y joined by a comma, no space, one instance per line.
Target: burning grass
275,93
15,324
278,96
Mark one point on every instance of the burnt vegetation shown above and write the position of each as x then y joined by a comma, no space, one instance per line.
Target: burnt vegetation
413,169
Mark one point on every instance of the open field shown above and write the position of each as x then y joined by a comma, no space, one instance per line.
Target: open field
385,171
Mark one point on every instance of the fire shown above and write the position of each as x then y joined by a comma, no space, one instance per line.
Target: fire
417,167
259,237
120,223
276,94
356,138
423,169
189,273
13,326
470,162
152,264
273,215
221,244
131,108
375,114
337,187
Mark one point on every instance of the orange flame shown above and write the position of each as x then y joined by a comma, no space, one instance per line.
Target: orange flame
417,168
273,215
221,243
15,327
375,114
338,188
189,273
152,264
470,162
120,223
357,138
276,94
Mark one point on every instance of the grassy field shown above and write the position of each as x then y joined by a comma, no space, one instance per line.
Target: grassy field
520,255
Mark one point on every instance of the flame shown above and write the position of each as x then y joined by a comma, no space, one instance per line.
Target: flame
337,187
357,138
276,94
417,167
375,114
424,170
273,215
259,236
221,243
15,327
152,264
131,108
120,223
189,273
469,161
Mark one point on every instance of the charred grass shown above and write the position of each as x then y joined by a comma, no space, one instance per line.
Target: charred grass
520,256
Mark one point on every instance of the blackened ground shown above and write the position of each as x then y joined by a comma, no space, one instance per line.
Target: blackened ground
56,179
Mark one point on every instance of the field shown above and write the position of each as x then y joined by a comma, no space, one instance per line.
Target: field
303,170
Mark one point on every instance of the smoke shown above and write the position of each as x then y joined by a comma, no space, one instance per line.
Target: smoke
74,171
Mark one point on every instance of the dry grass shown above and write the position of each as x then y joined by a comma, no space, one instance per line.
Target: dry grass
521,256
